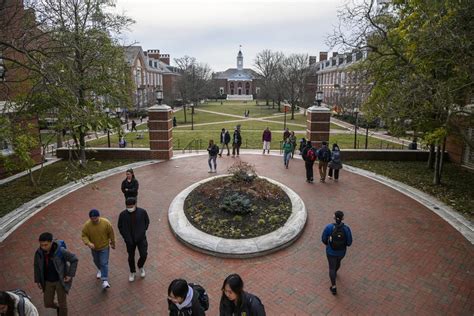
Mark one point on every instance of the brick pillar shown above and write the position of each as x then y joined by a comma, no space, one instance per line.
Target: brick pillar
318,123
160,127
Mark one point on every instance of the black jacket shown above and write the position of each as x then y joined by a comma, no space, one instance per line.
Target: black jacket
65,263
139,229
237,138
225,139
194,310
132,187
251,306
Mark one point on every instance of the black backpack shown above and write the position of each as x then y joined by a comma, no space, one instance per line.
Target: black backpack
324,154
21,304
202,295
338,240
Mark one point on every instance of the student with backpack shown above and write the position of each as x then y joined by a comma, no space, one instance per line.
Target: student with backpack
337,237
213,151
236,302
335,164
54,268
324,156
16,302
309,157
187,299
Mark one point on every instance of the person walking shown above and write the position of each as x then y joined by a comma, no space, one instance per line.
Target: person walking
54,268
225,140
309,157
266,139
16,303
337,237
98,234
335,164
324,156
287,151
293,143
286,134
134,126
236,302
213,150
130,185
236,142
132,224
183,300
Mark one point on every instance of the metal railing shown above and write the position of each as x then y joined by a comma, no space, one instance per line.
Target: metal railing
194,144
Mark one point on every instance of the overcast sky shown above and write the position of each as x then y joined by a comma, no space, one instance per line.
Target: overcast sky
212,30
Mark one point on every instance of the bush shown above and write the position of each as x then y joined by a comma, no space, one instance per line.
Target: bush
236,203
242,172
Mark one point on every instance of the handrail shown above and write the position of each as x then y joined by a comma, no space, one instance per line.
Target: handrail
194,144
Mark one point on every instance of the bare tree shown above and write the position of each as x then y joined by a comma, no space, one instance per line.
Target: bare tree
295,70
268,64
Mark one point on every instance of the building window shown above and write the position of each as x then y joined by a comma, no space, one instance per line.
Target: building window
221,90
257,90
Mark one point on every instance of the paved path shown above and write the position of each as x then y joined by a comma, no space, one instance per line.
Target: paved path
405,260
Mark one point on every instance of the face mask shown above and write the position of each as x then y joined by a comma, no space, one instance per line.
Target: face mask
131,210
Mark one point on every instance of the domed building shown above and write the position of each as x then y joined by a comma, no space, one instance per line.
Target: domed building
238,83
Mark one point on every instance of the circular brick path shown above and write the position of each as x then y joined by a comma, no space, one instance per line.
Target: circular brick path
404,259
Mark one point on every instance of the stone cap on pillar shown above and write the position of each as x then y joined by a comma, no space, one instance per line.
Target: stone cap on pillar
159,108
318,109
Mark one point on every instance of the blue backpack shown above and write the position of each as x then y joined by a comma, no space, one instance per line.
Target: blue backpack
61,244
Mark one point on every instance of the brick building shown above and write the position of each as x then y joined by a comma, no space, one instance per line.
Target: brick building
170,74
342,85
146,76
237,83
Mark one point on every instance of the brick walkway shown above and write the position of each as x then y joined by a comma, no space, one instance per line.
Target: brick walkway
404,260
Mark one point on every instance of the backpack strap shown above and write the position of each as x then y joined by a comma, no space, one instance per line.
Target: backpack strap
21,306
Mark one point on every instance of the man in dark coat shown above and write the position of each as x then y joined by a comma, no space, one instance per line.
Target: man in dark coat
225,140
54,268
309,157
236,141
133,224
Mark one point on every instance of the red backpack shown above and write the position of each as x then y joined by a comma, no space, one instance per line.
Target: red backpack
310,155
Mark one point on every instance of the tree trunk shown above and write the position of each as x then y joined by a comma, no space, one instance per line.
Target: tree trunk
82,149
443,149
436,178
279,105
268,102
59,139
184,109
431,157
32,179
292,112
273,103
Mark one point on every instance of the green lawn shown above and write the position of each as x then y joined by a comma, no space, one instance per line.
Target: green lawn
455,190
19,191
252,138
239,107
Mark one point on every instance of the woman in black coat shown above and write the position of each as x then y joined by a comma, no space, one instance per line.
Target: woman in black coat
130,185
236,302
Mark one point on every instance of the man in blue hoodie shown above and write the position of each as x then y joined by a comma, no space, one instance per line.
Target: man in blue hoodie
337,237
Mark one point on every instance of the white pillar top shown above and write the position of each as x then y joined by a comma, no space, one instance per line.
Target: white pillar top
159,108
318,109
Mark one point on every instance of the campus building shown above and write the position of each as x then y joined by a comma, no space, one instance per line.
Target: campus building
342,86
238,83
146,74
170,75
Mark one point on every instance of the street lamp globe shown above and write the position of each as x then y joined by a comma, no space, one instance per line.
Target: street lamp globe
159,94
319,97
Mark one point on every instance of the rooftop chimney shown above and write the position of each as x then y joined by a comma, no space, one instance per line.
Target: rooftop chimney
323,56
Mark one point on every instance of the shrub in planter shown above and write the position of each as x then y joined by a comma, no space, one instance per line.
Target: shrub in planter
237,203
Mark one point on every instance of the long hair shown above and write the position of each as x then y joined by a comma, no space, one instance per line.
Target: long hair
131,171
236,284
335,146
6,299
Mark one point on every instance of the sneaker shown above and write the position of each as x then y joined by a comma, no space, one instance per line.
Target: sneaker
131,277
142,272
333,290
105,285
335,180
210,171
98,275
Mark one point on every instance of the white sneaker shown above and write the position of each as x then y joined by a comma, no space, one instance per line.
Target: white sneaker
142,272
131,277
98,275
105,285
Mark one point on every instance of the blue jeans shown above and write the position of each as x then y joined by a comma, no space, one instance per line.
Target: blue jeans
286,158
101,261
212,158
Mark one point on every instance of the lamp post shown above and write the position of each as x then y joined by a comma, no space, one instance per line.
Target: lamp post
356,112
159,94
192,115
107,111
318,99
284,110
221,93
3,70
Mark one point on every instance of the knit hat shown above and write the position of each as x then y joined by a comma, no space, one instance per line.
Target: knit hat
94,213
131,201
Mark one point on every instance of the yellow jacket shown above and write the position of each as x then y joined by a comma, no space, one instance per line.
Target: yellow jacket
100,234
